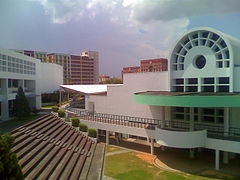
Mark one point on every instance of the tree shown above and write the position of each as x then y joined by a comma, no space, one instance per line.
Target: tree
113,81
21,105
9,168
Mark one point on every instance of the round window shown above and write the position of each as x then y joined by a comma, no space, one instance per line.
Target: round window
200,62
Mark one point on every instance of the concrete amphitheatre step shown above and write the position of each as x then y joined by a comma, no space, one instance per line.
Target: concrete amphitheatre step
50,148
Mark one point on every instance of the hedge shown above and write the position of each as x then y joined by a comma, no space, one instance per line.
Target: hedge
55,108
92,132
75,121
61,113
83,127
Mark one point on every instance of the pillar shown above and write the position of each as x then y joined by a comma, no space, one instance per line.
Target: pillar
226,121
117,137
60,97
225,157
191,125
192,153
107,137
217,159
152,146
97,137
4,103
68,96
163,116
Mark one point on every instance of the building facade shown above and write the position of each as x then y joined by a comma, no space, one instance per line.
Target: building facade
196,104
83,69
33,76
148,65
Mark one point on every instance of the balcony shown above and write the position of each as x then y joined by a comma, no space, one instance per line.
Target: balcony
167,129
180,139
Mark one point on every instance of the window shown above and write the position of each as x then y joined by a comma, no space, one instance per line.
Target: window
208,80
200,62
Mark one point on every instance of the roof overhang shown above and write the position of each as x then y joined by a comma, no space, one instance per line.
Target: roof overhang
185,99
86,89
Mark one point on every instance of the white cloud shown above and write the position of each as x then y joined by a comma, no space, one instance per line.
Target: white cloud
153,10
145,28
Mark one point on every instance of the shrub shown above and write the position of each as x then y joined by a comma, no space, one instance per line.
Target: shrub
92,132
83,127
75,122
9,168
61,113
55,109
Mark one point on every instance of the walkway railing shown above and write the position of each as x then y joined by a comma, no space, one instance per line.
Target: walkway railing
213,130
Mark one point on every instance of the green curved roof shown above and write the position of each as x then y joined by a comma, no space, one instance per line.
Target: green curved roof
188,100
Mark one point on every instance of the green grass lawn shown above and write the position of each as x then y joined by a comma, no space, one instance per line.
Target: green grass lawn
127,166
8,126
113,149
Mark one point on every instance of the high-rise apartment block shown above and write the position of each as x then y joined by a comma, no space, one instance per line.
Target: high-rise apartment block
86,65
83,69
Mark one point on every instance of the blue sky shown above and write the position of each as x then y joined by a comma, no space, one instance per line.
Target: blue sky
123,31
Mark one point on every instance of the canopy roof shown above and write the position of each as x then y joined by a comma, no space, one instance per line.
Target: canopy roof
88,89
188,99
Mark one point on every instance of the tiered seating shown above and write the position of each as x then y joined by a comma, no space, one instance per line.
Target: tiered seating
49,148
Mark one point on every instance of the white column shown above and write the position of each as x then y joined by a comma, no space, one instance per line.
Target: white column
117,137
191,125
163,116
217,159
4,104
226,121
225,157
152,146
60,98
107,137
191,153
97,137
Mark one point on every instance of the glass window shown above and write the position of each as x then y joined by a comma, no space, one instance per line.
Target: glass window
200,62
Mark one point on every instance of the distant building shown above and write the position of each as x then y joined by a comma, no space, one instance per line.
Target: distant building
153,65
83,69
148,65
95,56
103,78
28,72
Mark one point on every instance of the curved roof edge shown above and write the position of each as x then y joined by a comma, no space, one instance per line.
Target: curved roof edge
189,100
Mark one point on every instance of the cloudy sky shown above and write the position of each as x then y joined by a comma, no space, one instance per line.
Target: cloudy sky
123,31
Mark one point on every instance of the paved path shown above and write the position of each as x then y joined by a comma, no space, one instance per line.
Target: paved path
117,152
108,178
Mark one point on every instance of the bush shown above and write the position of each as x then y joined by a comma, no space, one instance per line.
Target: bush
92,132
75,122
9,168
55,109
61,113
83,127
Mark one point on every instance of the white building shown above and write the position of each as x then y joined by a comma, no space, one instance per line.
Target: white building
33,76
196,104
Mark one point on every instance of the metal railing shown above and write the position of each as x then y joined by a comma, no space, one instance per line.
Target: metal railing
213,130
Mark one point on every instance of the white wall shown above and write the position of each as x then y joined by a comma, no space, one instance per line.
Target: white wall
51,77
119,99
